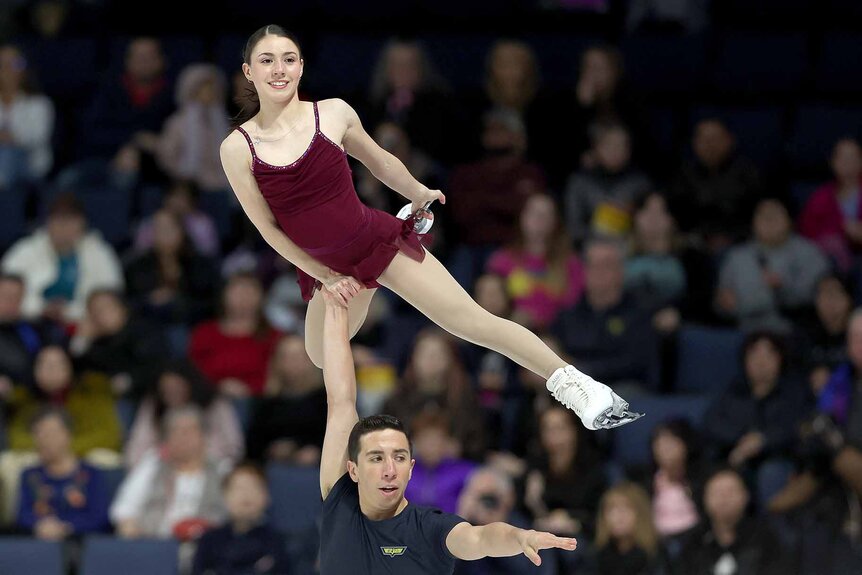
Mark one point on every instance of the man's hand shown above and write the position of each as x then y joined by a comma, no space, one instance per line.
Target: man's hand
534,541
340,288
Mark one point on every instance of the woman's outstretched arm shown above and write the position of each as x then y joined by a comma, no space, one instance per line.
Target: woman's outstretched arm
385,166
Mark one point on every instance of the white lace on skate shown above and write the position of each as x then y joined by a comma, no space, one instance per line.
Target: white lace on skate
595,403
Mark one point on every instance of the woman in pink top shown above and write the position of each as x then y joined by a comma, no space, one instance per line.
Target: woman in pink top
832,217
674,509
543,275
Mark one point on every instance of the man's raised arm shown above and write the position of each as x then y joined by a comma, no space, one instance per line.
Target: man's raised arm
339,376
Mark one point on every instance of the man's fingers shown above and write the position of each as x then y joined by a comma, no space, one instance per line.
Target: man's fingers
549,540
532,555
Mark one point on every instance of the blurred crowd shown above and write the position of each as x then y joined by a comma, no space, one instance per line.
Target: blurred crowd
152,365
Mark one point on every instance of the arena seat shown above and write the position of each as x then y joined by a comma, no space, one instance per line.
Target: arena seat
109,556
665,65
708,359
26,556
758,65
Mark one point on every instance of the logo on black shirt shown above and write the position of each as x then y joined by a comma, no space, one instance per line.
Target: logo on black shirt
393,551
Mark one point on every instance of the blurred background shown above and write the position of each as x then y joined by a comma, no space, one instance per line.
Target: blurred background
667,191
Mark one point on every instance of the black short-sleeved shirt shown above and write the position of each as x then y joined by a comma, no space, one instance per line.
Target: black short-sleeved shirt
411,543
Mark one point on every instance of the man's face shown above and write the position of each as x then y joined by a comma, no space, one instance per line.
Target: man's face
65,231
246,497
382,469
713,143
144,61
725,498
605,273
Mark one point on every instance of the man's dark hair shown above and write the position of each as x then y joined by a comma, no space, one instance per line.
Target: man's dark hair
368,425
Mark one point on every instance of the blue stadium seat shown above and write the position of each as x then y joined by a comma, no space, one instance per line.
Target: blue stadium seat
708,359
114,477
759,130
344,65
753,65
109,556
838,65
671,65
631,443
817,128
26,556
13,206
295,495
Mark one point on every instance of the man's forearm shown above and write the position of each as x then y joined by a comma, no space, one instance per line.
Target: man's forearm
338,372
500,540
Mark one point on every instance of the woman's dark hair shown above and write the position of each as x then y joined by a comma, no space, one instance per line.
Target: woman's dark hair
186,248
201,392
773,338
586,450
685,432
249,103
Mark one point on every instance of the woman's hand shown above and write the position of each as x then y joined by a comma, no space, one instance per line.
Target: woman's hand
426,196
344,287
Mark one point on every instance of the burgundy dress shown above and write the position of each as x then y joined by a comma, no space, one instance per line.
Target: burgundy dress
316,206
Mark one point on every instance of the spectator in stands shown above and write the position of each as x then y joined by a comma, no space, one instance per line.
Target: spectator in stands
489,497
832,442
564,481
131,107
688,16
729,540
111,341
288,422
599,199
654,268
175,493
178,385
171,283
61,497
753,423
599,96
489,195
832,216
26,124
188,146
609,331
86,396
181,198
62,263
713,193
246,543
407,90
771,279
20,339
824,341
439,474
511,82
674,473
626,538
234,350
543,275
435,379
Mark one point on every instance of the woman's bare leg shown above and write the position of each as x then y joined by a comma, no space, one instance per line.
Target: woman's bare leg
356,312
429,287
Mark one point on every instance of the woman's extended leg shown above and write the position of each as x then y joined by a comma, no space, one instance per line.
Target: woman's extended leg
429,287
356,312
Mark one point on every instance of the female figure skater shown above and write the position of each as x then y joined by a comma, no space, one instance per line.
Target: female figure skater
287,164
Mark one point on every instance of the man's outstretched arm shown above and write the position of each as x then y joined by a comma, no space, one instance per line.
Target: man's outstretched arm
339,376
471,542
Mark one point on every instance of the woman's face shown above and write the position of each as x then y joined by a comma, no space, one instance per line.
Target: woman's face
275,68
107,313
538,218
243,296
206,93
599,70
669,450
174,390
620,516
511,65
53,370
832,301
431,358
403,67
762,362
490,293
167,233
557,431
847,160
